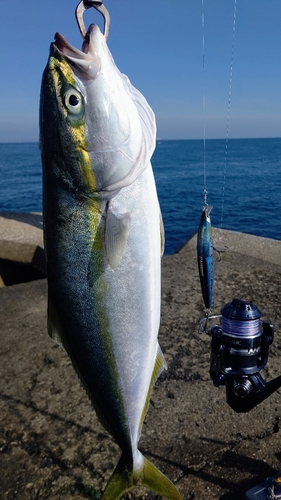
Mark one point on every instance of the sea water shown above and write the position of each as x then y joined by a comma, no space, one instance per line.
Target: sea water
243,180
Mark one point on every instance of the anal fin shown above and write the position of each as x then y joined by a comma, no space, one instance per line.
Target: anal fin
162,235
159,365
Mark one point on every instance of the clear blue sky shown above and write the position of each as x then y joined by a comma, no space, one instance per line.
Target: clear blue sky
158,44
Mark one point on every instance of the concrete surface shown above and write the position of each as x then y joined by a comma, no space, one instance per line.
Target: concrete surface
51,444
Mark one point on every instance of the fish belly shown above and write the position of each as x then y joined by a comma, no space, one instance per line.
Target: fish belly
133,296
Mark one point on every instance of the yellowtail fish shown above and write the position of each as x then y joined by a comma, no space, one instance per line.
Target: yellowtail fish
205,255
104,240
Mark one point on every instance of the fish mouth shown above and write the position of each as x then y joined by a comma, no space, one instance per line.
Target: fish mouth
86,61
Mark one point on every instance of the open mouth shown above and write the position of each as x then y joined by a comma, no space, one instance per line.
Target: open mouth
68,50
84,60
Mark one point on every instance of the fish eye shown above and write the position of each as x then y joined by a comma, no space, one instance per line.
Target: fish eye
73,101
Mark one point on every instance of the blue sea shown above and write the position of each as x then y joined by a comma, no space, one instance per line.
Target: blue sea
243,181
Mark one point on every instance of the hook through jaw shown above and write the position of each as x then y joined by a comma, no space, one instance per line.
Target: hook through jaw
98,5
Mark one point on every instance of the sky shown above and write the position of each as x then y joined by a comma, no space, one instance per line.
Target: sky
158,44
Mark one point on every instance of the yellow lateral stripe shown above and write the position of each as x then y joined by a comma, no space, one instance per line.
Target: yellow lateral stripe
86,167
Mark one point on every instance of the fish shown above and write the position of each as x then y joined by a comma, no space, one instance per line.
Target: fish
205,256
104,239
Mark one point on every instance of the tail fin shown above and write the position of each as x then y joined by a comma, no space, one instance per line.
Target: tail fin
123,480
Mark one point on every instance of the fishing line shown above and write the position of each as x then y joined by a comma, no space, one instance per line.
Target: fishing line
228,113
241,328
204,233
205,192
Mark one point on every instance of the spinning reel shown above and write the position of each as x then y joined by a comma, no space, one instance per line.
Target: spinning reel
239,351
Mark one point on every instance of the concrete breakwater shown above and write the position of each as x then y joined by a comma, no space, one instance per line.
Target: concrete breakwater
22,256
22,248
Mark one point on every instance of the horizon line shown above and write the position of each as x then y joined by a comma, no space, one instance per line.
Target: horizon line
174,139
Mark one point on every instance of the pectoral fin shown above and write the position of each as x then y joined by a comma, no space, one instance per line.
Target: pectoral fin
116,235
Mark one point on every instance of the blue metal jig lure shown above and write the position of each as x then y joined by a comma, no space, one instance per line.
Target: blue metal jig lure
205,255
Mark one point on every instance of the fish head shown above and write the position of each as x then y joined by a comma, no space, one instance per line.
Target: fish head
92,116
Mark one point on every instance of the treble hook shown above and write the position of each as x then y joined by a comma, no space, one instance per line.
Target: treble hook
98,5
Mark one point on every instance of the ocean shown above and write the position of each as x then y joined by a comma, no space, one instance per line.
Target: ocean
243,184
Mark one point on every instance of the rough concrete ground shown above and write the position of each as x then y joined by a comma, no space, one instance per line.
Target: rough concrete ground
51,444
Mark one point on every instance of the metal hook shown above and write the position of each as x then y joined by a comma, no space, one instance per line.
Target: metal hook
220,251
98,5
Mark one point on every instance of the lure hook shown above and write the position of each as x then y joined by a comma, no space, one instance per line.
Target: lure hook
98,5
